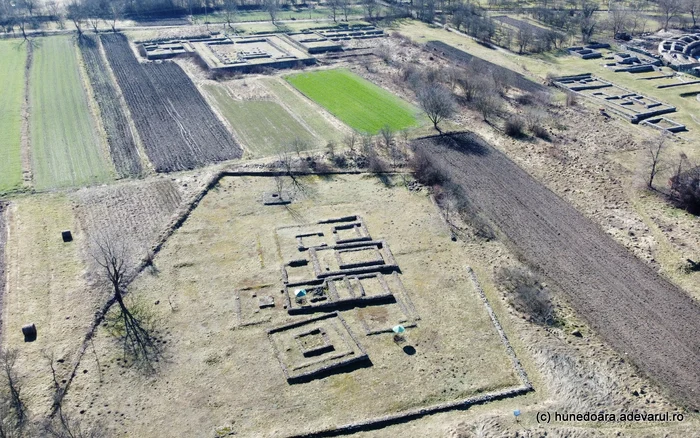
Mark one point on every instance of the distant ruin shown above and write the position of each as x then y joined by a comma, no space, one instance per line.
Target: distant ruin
244,54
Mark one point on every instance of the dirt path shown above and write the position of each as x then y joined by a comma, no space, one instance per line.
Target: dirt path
3,239
644,317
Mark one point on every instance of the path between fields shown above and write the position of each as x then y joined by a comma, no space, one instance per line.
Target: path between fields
644,317
3,239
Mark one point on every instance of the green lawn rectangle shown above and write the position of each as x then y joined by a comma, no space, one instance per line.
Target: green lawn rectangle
66,147
14,57
265,127
359,103
303,108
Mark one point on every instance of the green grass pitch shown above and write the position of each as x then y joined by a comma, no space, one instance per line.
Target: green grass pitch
66,148
14,57
362,105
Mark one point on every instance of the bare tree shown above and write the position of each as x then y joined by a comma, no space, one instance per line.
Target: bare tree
230,11
655,147
350,140
76,14
388,135
488,104
56,13
14,415
587,20
370,8
272,7
345,5
670,9
693,8
524,38
437,102
116,12
335,7
619,18
30,5
137,338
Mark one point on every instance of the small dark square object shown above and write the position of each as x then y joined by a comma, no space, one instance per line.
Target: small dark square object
67,236
29,332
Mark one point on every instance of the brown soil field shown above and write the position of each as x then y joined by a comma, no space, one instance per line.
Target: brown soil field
643,316
135,213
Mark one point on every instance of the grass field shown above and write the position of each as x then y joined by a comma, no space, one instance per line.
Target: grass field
230,242
66,148
46,285
306,110
14,58
263,126
360,104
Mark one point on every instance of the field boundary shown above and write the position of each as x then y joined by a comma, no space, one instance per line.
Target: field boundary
4,224
25,139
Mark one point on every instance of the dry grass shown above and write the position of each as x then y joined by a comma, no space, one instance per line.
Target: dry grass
221,374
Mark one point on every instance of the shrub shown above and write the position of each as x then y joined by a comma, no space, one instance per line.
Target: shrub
686,185
514,127
340,161
527,295
376,164
540,131
424,170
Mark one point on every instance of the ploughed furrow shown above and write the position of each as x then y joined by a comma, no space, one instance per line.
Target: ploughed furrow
168,111
463,58
212,142
122,145
643,316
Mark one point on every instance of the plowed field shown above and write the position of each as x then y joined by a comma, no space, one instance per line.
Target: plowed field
643,316
178,128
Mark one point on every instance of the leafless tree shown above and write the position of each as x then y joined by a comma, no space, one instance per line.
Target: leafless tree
230,11
345,5
488,104
388,135
437,102
137,337
655,147
77,14
370,8
524,38
470,85
116,12
14,415
272,7
619,18
350,140
54,9
669,9
335,7
693,8
30,5
285,161
588,20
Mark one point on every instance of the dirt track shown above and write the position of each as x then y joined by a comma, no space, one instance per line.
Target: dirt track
3,238
644,317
